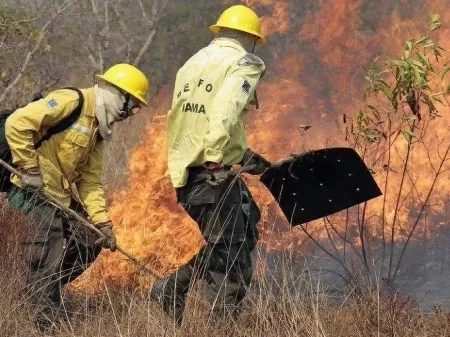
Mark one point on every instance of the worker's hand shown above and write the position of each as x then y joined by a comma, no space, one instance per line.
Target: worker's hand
216,174
109,241
254,163
218,177
32,179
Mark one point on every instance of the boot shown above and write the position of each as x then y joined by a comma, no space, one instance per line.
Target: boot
46,320
165,297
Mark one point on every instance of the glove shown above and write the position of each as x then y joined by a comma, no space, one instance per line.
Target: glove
217,175
32,179
110,239
254,163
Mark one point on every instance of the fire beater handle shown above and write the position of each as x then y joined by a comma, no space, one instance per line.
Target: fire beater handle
48,197
236,171
250,168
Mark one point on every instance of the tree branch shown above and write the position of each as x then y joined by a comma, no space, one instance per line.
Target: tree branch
38,43
397,205
430,191
94,7
157,9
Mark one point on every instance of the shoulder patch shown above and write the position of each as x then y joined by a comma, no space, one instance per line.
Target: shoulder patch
52,103
250,59
246,87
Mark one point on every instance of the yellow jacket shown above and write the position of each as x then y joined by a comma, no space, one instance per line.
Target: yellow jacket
213,91
74,155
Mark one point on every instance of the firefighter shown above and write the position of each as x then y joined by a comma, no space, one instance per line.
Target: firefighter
206,136
68,166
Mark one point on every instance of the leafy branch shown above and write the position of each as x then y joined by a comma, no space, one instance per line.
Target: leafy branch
401,99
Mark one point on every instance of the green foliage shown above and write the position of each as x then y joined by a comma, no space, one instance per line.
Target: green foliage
435,22
403,88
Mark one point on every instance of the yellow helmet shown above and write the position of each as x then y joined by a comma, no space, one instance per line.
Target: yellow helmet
240,18
129,79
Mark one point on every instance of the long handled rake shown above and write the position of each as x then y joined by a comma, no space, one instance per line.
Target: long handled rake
49,198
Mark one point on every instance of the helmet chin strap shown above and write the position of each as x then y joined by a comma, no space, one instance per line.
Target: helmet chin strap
254,46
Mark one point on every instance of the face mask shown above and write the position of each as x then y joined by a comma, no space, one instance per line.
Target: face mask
108,104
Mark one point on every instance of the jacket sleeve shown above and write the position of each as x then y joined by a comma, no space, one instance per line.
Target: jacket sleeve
22,126
237,90
90,187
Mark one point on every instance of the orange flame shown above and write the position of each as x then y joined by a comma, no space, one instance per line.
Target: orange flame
277,21
313,86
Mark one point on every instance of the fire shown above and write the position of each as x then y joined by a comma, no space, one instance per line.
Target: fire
277,21
149,223
313,82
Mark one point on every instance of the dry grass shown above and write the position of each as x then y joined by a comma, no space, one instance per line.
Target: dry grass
289,305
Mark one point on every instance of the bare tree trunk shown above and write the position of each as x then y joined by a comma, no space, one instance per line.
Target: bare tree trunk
144,47
94,7
157,9
99,39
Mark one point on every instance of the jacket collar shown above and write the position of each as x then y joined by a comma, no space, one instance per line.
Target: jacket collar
228,42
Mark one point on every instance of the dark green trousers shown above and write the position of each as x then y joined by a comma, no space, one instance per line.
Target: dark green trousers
57,252
228,223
